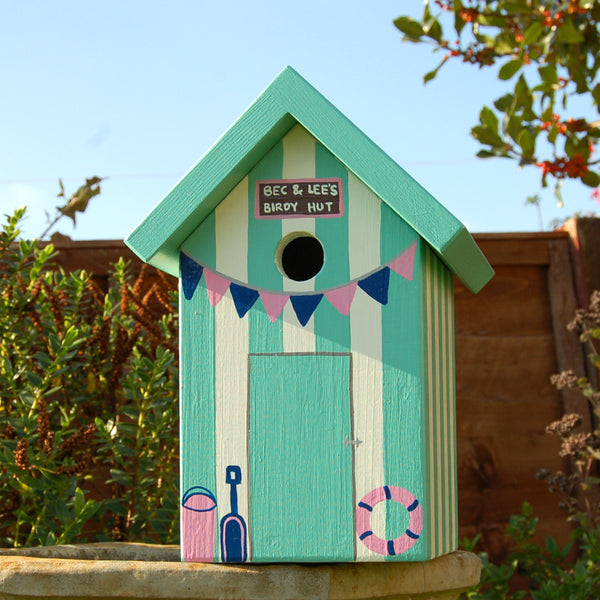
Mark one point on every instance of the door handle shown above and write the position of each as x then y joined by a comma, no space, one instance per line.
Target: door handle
350,442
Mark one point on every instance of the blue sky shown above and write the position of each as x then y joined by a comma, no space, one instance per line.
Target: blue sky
138,91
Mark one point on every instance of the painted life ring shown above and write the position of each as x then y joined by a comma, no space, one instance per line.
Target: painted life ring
363,520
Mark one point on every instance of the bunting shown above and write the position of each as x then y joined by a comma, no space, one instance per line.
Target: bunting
273,304
243,298
375,284
341,298
193,275
216,285
305,306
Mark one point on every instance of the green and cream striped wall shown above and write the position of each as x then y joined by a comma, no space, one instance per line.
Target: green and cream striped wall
439,394
382,376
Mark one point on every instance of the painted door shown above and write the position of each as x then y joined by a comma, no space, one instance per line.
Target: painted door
301,461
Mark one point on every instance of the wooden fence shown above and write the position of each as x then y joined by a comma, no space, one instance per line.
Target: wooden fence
510,338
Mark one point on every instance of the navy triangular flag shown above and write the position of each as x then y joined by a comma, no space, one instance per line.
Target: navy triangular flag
191,274
377,285
305,306
243,298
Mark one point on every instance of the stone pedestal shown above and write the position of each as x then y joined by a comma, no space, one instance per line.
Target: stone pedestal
132,571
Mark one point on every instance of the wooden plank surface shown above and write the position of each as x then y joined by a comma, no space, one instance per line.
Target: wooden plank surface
517,248
569,352
501,447
94,256
510,304
505,368
589,237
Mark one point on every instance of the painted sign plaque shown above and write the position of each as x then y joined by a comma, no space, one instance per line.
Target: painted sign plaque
297,198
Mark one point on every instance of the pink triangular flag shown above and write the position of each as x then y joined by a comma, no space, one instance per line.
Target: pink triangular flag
216,286
273,304
404,264
341,298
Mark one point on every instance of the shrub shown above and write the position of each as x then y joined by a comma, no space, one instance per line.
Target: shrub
88,402
551,572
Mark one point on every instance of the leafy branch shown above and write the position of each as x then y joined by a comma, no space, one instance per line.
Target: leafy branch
77,202
551,50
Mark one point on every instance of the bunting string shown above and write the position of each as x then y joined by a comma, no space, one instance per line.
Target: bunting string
375,284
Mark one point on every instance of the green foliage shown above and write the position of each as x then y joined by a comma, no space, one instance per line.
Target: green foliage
88,403
550,50
543,572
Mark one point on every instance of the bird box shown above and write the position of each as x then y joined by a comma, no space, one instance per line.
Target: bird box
317,390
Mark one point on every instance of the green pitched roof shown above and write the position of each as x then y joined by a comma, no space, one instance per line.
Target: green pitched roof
289,100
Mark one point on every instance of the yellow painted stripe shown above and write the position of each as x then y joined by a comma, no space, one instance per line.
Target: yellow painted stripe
430,399
364,218
452,405
231,351
440,444
440,390
444,418
444,402
299,150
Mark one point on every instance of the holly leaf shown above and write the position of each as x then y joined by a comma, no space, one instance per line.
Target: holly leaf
509,69
532,33
526,141
568,33
504,103
523,93
433,30
459,22
548,74
432,74
514,126
488,118
504,43
409,27
515,6
487,137
487,132
591,179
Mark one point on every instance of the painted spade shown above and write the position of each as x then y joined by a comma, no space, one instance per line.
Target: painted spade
233,526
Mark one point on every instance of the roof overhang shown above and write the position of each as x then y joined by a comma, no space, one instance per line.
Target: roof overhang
289,100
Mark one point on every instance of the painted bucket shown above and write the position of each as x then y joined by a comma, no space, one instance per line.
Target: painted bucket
198,525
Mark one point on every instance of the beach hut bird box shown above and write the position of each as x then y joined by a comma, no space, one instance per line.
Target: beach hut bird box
317,394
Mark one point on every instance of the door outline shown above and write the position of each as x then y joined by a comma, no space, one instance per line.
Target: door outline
351,447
